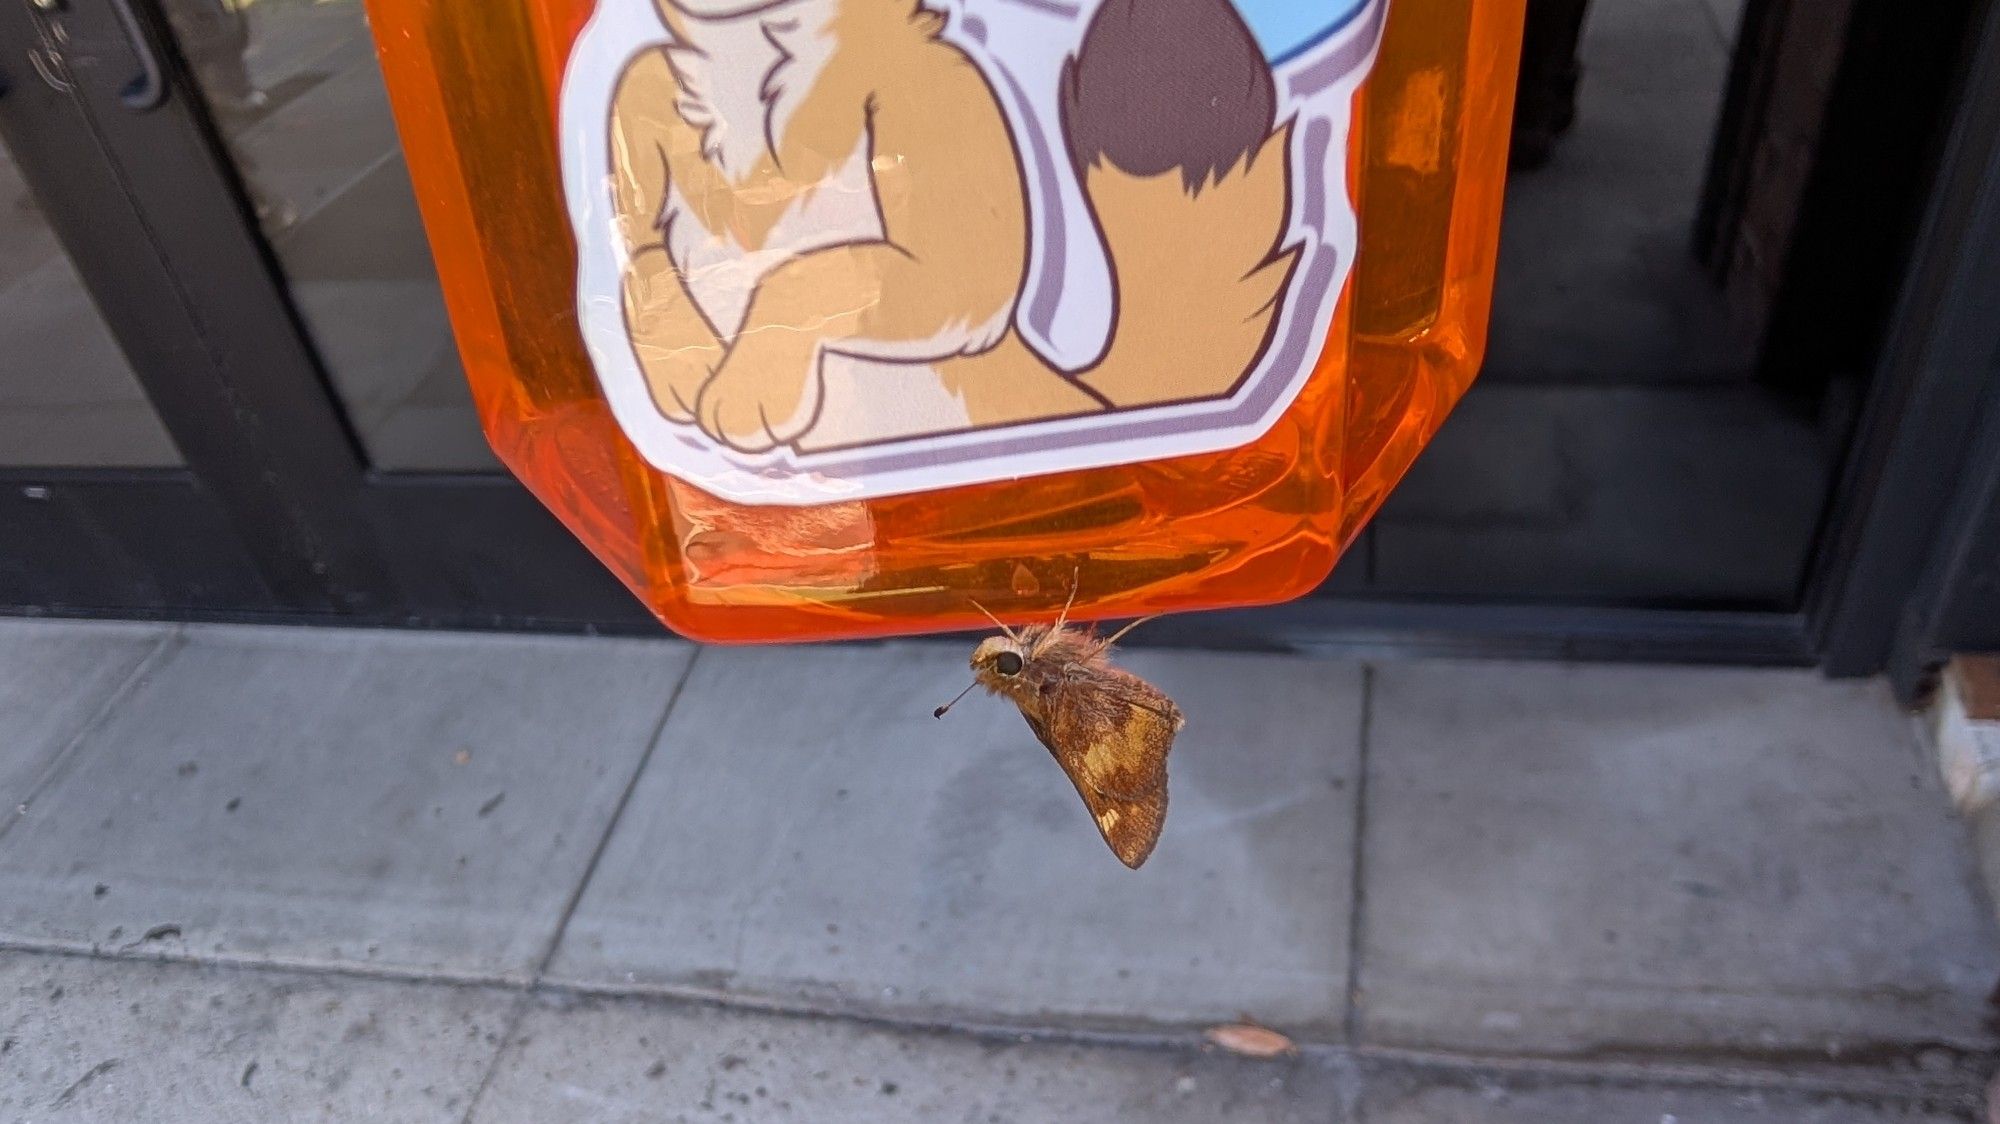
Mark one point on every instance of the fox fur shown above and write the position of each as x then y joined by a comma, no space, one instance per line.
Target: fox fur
825,218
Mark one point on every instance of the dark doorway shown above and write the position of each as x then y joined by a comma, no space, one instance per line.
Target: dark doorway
1677,355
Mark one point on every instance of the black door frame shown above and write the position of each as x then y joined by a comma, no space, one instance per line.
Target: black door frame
1915,544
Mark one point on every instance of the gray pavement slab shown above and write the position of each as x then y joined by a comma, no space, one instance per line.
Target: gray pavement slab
90,1041
625,1062
1442,1097
807,833
1601,860
55,676
425,803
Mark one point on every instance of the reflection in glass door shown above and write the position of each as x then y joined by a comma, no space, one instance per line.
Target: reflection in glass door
324,458
68,397
98,510
1620,447
294,88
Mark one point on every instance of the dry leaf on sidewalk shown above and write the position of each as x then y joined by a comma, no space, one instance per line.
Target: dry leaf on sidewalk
1251,1040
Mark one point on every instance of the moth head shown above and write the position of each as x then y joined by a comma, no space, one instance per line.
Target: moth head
997,665
998,662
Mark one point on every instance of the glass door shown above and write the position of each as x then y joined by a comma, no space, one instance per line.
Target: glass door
99,509
284,320
293,88
296,97
68,397
1705,221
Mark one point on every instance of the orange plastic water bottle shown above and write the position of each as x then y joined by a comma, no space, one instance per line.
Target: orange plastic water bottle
828,318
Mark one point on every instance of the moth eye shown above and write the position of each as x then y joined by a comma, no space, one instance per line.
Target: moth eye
1009,663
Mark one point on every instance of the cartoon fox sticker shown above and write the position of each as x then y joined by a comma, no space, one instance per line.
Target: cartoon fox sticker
829,219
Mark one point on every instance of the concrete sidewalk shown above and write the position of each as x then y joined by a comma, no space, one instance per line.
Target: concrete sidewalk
282,874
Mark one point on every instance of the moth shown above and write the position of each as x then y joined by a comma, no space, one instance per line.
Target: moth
1110,730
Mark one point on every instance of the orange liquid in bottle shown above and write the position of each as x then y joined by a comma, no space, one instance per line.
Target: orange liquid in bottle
475,89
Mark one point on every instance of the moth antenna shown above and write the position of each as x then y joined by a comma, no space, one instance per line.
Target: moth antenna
1075,579
1121,633
998,623
940,712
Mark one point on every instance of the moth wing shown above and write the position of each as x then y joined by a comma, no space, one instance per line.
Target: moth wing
1112,733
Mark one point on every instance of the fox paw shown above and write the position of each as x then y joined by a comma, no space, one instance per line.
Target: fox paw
763,396
676,387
